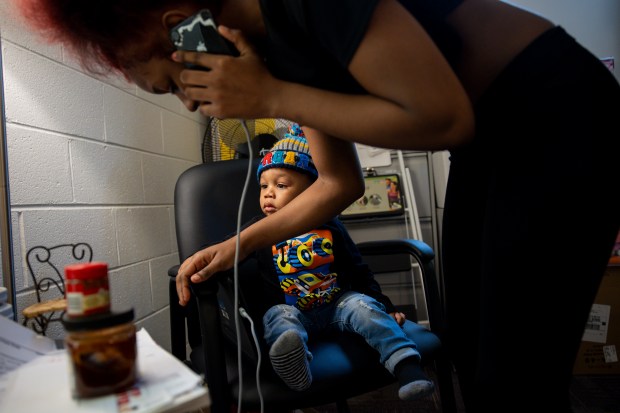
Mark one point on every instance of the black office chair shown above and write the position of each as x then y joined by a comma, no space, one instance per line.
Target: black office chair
207,199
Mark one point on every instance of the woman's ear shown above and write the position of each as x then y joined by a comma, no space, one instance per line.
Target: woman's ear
171,18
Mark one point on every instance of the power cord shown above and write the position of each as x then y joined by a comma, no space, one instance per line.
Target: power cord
245,315
236,283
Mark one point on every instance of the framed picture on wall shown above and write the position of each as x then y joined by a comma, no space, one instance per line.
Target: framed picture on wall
382,197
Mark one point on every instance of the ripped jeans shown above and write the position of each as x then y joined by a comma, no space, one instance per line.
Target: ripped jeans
352,312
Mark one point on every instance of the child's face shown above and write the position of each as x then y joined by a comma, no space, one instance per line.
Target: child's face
278,186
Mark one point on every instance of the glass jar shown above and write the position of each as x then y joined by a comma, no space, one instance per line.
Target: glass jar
102,353
87,289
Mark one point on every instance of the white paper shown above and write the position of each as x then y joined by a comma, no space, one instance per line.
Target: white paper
47,372
19,345
164,384
371,157
597,324
610,354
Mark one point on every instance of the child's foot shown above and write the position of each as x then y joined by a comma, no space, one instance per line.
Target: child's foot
414,384
416,390
288,358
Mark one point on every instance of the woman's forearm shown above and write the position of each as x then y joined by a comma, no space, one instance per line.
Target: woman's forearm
340,183
376,121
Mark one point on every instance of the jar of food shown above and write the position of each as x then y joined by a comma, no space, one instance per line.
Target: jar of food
102,353
87,289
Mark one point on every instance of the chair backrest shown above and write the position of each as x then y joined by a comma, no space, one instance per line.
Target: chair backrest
211,204
46,263
207,201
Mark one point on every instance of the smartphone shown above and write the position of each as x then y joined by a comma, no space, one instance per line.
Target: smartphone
199,33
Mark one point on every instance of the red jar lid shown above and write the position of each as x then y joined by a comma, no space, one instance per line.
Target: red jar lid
86,271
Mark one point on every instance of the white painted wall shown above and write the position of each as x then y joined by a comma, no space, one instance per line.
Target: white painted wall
594,23
93,161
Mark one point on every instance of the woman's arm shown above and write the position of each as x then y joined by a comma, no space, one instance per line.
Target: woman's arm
340,182
415,100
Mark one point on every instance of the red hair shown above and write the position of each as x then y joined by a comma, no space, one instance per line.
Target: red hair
97,32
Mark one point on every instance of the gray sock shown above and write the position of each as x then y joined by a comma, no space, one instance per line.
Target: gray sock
288,358
414,383
416,390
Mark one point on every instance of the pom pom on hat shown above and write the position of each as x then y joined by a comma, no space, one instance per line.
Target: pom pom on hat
290,152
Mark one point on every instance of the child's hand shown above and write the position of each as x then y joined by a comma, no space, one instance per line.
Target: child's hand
399,317
202,265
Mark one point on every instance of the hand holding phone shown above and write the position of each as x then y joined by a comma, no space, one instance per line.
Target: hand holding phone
199,33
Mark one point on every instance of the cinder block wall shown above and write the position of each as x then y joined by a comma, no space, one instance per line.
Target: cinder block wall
94,161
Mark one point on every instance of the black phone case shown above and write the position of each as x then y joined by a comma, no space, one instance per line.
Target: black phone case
199,33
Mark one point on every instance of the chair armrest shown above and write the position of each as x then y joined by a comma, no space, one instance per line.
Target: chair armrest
184,323
213,350
425,256
172,271
178,315
422,251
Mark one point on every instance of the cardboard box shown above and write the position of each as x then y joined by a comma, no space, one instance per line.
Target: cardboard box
615,253
600,347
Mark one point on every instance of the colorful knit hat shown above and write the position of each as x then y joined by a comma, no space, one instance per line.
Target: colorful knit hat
290,152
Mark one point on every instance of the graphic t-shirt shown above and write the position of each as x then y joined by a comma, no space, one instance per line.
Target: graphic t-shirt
303,265
312,269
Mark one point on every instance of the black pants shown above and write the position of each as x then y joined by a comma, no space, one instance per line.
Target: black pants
531,214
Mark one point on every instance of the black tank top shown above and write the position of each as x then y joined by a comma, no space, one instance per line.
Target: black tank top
313,41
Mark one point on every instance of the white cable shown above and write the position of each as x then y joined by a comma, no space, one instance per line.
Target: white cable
245,315
236,265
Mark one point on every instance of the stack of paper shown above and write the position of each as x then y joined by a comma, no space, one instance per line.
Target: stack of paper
18,345
43,384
